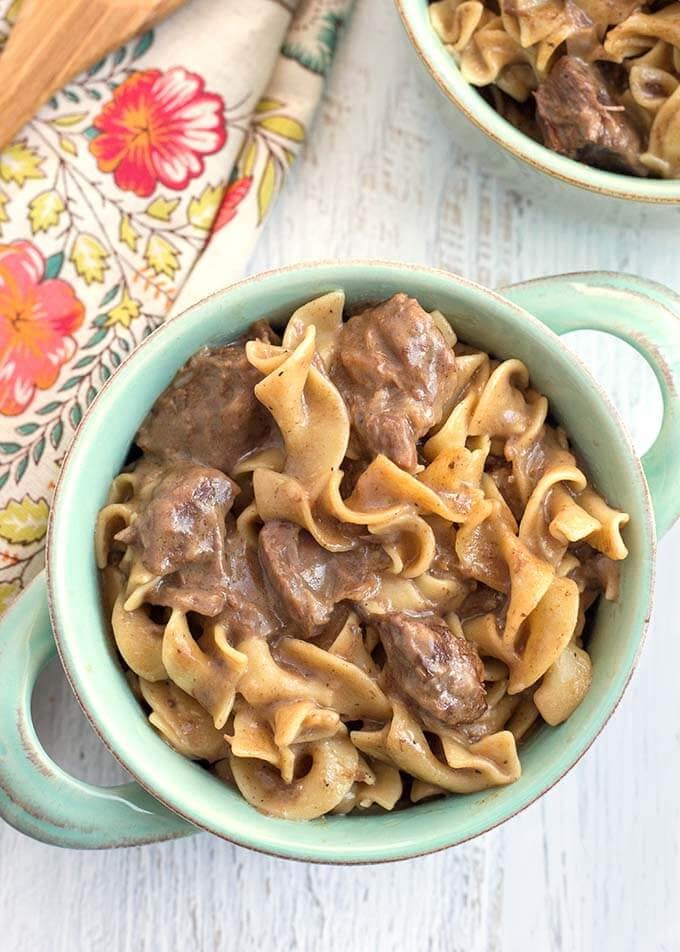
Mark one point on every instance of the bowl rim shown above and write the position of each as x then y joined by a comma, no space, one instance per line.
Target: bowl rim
99,722
444,71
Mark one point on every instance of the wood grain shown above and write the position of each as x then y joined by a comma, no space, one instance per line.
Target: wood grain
595,865
45,51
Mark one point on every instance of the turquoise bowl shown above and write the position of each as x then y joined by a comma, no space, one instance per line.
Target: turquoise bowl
529,164
170,796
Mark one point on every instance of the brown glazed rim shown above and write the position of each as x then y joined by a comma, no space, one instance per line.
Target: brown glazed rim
536,164
59,636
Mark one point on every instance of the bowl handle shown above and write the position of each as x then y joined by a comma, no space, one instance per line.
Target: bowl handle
647,316
37,797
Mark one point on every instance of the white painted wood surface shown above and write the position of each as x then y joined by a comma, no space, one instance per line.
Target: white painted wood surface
595,865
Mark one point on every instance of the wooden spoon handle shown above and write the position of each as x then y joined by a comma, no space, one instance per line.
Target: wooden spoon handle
46,49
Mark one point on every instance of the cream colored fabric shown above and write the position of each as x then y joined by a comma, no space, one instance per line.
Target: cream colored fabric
105,231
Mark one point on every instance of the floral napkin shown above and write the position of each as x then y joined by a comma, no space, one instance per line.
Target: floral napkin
137,190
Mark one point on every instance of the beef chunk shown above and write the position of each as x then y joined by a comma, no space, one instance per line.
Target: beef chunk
483,601
580,116
395,372
522,115
262,330
439,674
307,580
209,412
247,609
180,534
501,472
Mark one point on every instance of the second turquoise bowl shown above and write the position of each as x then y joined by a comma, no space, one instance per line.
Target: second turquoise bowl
539,170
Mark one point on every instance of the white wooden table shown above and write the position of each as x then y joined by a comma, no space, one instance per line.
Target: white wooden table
593,865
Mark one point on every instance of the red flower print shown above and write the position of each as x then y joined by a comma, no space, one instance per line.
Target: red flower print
233,197
37,319
157,128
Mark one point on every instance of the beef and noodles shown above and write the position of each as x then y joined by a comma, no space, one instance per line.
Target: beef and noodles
595,80
354,566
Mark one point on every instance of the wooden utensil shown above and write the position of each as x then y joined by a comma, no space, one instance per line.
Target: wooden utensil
47,47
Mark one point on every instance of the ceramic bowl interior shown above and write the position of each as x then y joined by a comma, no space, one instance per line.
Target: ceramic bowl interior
464,97
480,317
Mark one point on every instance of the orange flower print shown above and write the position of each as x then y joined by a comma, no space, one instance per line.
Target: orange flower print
233,197
157,128
37,319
